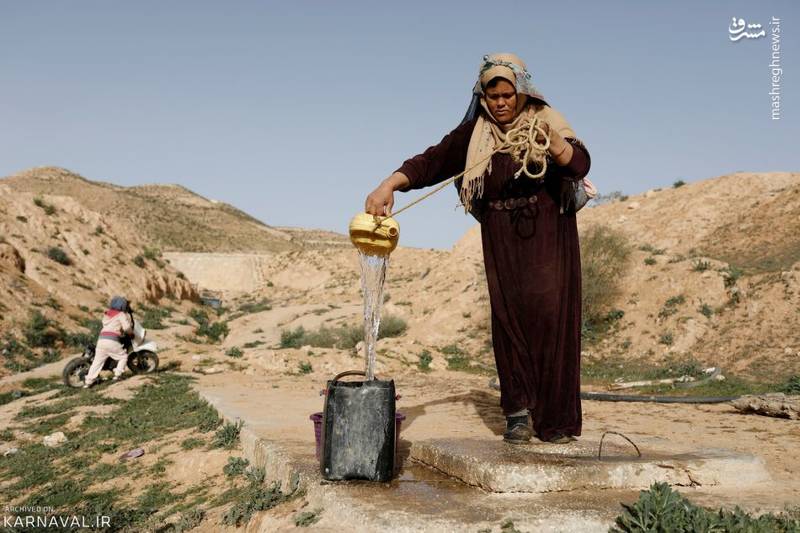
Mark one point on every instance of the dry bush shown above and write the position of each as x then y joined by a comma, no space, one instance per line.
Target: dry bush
604,258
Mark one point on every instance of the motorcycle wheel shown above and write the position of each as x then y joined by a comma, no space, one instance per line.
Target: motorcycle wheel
74,373
144,362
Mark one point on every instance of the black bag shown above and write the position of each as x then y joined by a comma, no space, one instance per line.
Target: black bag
358,429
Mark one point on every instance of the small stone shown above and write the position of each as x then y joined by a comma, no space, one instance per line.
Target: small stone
650,193
10,451
54,439
359,349
788,351
633,205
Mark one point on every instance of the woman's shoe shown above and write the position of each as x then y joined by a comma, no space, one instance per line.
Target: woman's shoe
517,430
561,439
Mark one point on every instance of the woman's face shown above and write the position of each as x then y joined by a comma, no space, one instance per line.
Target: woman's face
501,99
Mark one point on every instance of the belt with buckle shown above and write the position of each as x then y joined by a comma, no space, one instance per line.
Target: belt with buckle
512,203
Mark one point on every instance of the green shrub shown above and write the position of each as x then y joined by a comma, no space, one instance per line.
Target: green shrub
307,518
151,317
199,315
152,253
604,257
792,386
706,310
236,466
235,352
425,360
214,332
671,306
228,435
139,261
650,260
593,329
191,443
661,509
700,265
254,497
255,307
666,338
343,337
253,344
304,367
58,255
47,208
41,332
730,276
679,183
391,326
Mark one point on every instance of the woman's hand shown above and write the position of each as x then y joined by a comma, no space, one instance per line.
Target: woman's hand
560,150
381,200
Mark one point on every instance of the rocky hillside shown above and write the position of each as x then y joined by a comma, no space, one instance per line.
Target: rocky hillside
712,276
60,261
169,217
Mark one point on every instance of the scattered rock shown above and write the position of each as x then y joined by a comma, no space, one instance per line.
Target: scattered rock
11,257
208,370
777,405
54,439
10,451
132,454
359,349
633,205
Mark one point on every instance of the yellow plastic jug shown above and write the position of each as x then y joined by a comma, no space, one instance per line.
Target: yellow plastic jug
374,235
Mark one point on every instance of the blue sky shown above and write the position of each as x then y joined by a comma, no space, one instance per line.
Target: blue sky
295,111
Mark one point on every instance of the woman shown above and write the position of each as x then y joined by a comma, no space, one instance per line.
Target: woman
530,243
117,323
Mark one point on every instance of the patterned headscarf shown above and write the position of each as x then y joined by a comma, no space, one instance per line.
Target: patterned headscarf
488,133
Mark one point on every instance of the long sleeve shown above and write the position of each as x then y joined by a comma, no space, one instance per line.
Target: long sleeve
440,161
578,166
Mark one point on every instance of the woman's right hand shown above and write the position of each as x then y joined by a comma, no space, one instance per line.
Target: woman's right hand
381,200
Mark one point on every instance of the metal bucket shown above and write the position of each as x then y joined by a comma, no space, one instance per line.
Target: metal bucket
359,429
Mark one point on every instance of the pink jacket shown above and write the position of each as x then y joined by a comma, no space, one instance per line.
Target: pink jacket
116,324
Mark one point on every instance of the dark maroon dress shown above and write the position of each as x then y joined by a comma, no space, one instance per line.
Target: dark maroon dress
533,269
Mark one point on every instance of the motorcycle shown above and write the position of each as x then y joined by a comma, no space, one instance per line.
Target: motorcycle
142,358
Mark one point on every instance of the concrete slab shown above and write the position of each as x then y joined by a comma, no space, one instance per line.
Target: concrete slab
278,436
541,467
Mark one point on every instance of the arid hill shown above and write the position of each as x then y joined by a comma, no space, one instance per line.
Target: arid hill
712,276
169,217
60,261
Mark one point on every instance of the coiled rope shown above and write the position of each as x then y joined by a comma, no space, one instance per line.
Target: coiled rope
521,142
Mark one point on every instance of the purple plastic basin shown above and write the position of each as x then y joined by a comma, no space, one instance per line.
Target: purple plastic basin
316,418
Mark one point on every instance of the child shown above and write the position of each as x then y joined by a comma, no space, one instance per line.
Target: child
117,323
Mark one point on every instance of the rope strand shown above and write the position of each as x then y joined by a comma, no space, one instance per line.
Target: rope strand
520,143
